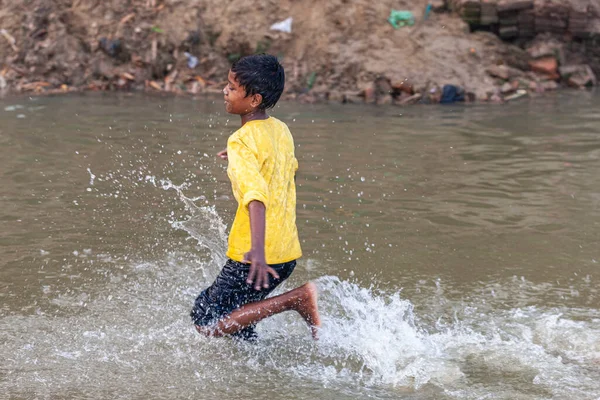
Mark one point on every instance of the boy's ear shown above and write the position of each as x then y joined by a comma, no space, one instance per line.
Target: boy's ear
256,100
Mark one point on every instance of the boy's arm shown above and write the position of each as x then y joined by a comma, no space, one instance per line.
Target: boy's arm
259,270
245,174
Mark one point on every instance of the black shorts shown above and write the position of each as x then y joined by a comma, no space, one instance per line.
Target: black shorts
230,291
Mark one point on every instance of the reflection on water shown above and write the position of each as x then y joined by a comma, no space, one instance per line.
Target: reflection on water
455,249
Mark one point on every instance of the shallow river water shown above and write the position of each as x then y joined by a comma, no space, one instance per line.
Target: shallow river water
456,250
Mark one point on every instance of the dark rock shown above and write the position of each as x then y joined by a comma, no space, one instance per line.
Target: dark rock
114,48
578,75
499,71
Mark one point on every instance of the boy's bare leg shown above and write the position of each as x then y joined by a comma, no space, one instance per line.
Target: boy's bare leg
302,299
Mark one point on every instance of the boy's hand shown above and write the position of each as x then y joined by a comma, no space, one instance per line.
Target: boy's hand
259,270
222,154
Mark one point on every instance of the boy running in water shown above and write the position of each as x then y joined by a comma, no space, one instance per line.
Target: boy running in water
263,242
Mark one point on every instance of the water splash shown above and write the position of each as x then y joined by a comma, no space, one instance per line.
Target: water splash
203,224
134,338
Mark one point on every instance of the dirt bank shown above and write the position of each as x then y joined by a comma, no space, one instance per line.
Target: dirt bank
338,50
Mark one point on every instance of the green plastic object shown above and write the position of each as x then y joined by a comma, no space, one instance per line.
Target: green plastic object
399,19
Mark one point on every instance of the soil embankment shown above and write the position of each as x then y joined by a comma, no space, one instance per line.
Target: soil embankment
337,50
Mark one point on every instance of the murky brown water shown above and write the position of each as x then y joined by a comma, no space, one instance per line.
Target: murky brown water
456,250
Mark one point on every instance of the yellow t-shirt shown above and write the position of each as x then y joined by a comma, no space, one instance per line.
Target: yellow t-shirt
262,166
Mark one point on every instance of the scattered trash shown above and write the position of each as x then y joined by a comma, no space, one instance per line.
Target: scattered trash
193,38
399,19
452,94
20,116
157,29
192,61
127,18
35,86
10,38
113,48
311,80
154,85
2,83
427,11
201,80
170,79
283,26
518,94
13,108
154,49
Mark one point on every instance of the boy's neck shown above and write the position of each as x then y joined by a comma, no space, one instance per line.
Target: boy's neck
254,115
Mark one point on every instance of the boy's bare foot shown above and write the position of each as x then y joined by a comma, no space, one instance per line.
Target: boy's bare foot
308,308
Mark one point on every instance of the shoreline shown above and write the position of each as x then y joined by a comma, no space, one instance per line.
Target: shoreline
452,50
215,96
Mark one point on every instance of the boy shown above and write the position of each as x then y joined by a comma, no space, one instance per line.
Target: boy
263,242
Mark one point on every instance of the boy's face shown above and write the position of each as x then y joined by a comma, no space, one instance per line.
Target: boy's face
236,101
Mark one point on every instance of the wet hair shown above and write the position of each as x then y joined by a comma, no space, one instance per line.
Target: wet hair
260,74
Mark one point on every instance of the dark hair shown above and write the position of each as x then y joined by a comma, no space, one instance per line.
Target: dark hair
260,74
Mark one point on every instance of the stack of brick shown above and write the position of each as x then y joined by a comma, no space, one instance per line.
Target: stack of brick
526,18
489,13
583,21
551,16
469,10
527,24
508,15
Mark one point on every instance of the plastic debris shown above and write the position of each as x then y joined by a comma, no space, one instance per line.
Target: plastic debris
399,19
11,40
311,80
113,48
192,61
155,85
283,26
13,108
518,94
452,94
427,11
